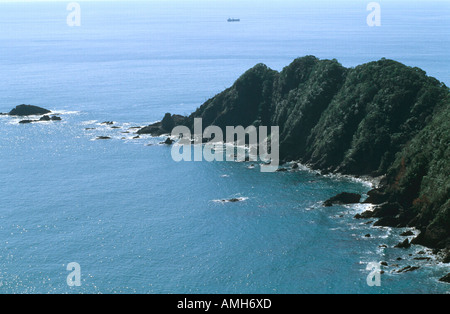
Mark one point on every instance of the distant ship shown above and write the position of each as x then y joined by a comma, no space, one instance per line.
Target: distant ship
234,20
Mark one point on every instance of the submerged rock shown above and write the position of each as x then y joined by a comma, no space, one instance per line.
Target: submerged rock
28,110
232,200
343,198
103,138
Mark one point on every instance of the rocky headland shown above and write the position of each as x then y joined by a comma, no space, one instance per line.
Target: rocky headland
382,119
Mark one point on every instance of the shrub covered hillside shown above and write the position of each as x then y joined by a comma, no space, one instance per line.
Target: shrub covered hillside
352,121
380,118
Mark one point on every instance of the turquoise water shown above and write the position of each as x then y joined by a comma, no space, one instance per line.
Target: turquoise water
138,222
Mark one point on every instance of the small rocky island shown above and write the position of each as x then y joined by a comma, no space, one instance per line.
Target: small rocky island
29,110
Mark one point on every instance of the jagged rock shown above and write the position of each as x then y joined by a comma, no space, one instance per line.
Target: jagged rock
445,279
28,110
387,222
446,258
422,258
364,215
407,233
343,198
167,123
404,245
386,210
168,141
45,118
165,126
42,119
376,197
408,269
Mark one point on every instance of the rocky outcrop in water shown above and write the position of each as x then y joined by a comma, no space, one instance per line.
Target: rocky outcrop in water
28,110
445,279
42,119
164,126
342,199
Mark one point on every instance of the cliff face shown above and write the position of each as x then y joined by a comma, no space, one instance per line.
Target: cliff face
419,180
380,118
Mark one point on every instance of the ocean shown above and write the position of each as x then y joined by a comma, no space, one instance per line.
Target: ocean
138,222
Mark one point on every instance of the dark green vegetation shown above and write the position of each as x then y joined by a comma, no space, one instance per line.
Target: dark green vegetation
379,119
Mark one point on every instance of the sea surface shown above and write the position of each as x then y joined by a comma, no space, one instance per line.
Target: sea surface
138,222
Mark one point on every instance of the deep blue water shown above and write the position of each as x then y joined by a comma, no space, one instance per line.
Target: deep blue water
135,220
